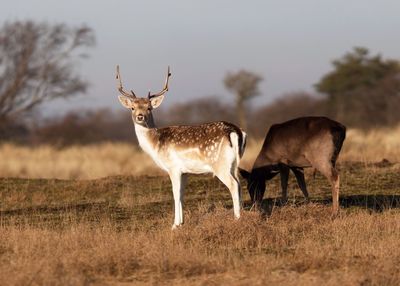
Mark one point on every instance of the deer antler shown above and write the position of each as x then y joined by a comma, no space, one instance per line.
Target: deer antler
120,88
165,89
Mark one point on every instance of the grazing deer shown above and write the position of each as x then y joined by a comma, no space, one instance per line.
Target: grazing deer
293,145
180,150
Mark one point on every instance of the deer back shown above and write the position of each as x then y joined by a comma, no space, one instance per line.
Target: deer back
294,141
206,137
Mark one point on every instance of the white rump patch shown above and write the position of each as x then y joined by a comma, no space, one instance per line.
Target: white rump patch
235,146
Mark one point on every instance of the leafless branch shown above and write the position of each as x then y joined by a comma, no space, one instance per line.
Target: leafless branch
36,64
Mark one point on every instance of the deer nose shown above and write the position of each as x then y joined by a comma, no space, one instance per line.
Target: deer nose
140,117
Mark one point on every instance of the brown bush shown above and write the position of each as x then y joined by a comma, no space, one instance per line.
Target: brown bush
85,127
196,111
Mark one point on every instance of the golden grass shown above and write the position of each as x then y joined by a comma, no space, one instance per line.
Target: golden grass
116,231
108,159
75,162
295,246
374,145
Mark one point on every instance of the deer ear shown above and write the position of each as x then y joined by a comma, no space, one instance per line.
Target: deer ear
245,174
156,101
125,101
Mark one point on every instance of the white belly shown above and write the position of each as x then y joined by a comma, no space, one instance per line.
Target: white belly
189,161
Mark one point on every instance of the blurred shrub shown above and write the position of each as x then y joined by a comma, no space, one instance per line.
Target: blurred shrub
14,130
84,127
197,111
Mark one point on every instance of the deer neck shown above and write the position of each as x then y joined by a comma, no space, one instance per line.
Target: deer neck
264,163
148,141
147,135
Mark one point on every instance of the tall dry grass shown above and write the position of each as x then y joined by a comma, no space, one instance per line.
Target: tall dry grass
75,162
101,160
373,145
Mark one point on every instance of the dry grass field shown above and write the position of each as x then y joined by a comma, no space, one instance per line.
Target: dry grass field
85,228
116,231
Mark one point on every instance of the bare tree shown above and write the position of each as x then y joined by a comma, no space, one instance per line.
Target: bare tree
244,85
36,64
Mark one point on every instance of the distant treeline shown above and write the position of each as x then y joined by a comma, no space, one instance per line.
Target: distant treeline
94,126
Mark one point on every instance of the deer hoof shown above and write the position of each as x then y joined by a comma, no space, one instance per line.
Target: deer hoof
175,226
334,215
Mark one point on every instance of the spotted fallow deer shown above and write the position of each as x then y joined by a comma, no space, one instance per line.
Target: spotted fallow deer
215,147
294,145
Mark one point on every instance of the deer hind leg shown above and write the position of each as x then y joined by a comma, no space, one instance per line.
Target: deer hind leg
178,184
330,172
284,171
299,173
335,192
231,180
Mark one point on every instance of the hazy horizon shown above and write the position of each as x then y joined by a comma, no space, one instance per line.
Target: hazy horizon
290,44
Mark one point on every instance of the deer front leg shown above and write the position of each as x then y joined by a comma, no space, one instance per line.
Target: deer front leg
299,173
284,171
178,181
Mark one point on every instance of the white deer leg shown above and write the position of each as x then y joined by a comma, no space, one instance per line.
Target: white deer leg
234,187
182,192
178,181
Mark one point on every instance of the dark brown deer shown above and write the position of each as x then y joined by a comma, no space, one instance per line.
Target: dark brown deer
294,145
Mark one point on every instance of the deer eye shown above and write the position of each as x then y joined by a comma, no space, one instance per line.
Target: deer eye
132,108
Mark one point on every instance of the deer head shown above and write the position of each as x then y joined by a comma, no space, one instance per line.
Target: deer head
255,184
141,106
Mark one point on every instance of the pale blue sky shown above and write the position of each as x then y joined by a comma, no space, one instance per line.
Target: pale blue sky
290,43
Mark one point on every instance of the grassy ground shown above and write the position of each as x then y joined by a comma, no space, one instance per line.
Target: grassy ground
116,231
